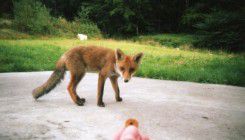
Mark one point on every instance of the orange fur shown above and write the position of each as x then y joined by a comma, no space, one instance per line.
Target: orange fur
108,63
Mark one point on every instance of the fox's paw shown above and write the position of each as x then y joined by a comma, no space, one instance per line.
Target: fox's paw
80,102
119,99
101,104
83,99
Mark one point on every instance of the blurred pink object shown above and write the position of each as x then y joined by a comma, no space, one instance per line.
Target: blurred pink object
130,132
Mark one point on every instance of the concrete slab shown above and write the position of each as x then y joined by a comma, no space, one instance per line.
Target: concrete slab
165,109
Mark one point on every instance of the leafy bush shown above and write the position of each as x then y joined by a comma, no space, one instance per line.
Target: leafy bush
84,25
5,23
218,27
63,27
12,34
170,40
89,29
191,17
32,16
222,30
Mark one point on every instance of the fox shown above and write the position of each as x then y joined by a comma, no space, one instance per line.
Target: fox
106,62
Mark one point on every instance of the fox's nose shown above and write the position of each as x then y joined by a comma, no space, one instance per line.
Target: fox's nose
126,80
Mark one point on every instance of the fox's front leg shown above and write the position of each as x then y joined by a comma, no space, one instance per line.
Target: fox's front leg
101,83
115,86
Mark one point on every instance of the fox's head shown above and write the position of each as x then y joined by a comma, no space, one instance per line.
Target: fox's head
126,65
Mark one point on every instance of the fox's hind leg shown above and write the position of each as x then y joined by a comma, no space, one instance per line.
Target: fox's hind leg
75,79
77,70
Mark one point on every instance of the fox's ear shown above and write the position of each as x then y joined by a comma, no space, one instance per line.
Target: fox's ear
138,57
119,54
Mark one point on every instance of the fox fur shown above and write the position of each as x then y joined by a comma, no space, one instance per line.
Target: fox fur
107,62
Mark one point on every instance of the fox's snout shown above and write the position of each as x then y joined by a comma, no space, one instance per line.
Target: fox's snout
126,80
126,76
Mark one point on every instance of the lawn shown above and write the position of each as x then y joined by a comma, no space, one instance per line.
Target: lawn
169,40
158,62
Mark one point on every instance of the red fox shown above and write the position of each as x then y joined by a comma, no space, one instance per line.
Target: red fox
108,63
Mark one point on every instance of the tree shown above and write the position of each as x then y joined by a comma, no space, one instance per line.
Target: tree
32,16
219,23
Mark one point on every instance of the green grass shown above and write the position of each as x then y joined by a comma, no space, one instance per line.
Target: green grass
158,62
169,40
12,34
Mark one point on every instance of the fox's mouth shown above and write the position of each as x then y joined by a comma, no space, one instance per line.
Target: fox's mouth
126,80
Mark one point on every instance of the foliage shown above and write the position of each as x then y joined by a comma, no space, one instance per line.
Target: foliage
33,17
222,30
169,40
5,23
68,29
158,62
63,27
85,25
63,8
220,24
191,17
124,17
12,34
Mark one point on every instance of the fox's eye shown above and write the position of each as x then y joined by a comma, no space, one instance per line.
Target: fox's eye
122,68
131,70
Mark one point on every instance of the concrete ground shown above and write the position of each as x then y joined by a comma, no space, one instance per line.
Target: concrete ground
165,109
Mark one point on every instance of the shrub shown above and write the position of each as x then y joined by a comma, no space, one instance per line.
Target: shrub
191,17
12,34
222,30
5,23
219,28
63,27
84,25
170,40
32,16
81,24
89,29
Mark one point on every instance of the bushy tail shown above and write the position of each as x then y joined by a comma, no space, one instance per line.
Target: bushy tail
53,80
